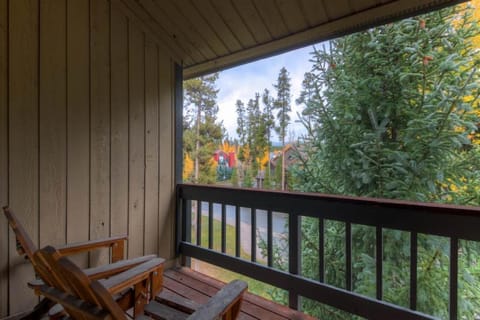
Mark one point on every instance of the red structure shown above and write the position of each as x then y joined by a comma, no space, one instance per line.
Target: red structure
229,158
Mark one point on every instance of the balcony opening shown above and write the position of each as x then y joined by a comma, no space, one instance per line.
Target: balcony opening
380,130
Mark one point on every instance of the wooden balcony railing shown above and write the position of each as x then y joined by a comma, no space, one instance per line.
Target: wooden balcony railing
454,222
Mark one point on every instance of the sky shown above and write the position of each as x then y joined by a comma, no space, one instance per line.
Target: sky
243,81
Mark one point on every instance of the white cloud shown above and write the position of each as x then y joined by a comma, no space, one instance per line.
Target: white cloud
242,82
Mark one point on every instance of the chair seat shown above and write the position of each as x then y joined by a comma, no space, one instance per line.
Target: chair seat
226,302
160,311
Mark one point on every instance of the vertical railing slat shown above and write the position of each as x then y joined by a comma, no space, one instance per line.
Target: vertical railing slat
186,227
453,278
413,270
237,231
294,247
224,228
199,223
321,249
379,261
269,238
348,254
253,220
210,225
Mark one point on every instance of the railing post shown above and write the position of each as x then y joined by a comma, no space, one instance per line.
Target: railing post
237,231
179,207
199,223
224,228
413,270
210,225
294,248
253,224
321,249
269,238
379,261
186,227
453,278
348,256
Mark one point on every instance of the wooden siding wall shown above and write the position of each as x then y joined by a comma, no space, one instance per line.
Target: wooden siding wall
86,132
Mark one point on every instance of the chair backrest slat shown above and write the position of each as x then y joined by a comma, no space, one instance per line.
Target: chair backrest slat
75,282
43,269
25,244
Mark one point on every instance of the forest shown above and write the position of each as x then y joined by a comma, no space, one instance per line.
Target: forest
391,112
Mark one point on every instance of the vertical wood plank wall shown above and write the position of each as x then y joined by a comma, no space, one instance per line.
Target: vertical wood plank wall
86,133
3,156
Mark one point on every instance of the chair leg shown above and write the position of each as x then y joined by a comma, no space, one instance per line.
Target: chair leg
57,313
126,300
39,310
156,282
141,297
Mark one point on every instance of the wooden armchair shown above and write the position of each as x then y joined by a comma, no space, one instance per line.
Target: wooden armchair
84,298
25,246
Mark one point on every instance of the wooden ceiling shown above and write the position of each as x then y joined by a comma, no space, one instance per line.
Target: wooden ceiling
209,35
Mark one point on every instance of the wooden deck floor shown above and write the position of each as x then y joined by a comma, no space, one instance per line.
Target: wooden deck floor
199,288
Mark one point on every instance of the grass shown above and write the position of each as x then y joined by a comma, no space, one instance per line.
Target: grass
254,286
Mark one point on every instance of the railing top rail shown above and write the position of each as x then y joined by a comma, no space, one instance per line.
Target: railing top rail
434,207
440,219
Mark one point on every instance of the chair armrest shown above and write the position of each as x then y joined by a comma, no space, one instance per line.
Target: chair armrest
135,275
227,300
104,271
112,269
116,243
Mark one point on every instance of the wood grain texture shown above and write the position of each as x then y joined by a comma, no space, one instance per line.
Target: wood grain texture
337,9
100,125
292,15
176,33
154,309
136,219
151,148
119,121
256,26
3,157
214,21
52,123
193,34
23,140
78,124
235,22
359,6
166,161
272,17
314,12
72,94
149,25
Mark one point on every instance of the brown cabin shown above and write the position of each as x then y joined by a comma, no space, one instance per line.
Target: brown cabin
90,139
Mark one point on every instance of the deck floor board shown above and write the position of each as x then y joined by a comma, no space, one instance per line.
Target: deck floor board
199,288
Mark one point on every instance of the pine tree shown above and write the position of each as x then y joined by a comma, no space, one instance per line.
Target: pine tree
282,105
387,116
202,132
269,122
309,95
241,128
256,133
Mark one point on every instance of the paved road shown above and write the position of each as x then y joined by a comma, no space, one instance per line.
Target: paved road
278,223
